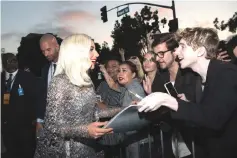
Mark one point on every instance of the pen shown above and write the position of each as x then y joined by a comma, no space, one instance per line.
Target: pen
136,95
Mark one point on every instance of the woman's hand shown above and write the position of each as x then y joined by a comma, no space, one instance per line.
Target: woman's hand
121,51
101,105
102,69
222,56
95,129
135,60
134,102
147,84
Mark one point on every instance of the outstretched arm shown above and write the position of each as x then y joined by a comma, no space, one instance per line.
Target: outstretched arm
109,112
112,84
122,54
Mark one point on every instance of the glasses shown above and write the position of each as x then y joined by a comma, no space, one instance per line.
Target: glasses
161,53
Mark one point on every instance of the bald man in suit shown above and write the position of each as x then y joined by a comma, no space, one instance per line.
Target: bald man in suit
49,46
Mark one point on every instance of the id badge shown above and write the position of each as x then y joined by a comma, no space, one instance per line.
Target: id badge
20,91
6,98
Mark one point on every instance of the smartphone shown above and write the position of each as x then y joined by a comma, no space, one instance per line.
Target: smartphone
223,47
171,89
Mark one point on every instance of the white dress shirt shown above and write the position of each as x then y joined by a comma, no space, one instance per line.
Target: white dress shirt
51,72
50,77
7,75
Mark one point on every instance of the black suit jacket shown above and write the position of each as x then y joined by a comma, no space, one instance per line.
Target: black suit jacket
187,82
216,114
40,109
44,74
21,112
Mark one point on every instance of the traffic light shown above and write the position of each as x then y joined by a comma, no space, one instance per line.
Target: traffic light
104,14
173,25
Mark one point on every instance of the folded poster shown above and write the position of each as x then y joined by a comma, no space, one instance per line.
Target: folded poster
129,119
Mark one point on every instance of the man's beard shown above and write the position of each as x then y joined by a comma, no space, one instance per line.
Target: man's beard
55,55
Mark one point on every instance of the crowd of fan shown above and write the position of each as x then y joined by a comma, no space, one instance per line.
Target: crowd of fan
115,84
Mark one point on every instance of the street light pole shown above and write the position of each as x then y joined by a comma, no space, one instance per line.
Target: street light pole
173,24
151,4
173,9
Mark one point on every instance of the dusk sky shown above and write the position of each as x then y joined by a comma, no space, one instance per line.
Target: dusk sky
19,18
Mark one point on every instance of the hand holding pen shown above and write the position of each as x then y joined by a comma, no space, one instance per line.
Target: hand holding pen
137,96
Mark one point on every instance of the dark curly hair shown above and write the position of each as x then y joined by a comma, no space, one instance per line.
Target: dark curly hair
132,66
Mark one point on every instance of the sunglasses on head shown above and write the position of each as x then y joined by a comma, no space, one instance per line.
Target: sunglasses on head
133,57
149,60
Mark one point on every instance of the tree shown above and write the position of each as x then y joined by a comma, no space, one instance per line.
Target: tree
133,34
98,47
231,24
29,54
106,53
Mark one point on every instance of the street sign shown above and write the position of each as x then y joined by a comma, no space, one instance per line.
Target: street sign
123,11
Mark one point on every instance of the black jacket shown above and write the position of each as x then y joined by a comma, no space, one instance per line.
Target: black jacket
40,109
216,114
21,110
189,83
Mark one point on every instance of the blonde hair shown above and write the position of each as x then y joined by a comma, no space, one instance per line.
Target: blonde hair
201,37
74,59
